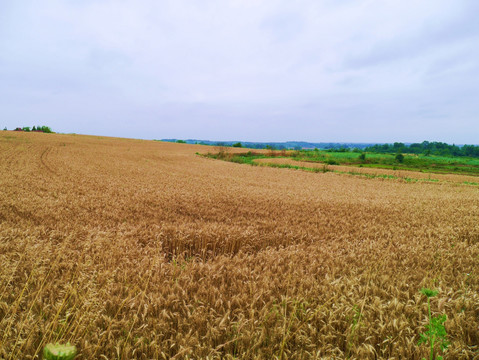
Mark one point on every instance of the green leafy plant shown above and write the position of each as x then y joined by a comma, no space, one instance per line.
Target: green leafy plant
436,332
59,351
355,324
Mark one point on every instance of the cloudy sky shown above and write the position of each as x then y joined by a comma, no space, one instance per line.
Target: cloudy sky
251,70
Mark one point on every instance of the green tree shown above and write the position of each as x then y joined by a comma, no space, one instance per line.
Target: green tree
238,145
45,129
399,157
399,146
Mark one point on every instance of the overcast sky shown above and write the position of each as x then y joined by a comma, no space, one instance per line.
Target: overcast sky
251,70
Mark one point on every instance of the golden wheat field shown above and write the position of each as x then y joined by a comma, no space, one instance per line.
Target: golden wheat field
135,249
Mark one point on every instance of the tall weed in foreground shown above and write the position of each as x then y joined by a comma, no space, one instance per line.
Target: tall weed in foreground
436,332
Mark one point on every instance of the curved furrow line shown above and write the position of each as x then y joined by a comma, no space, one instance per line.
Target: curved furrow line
44,160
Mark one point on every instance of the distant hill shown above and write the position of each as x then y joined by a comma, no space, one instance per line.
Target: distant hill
277,145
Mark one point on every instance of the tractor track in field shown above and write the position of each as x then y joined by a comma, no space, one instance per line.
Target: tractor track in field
44,160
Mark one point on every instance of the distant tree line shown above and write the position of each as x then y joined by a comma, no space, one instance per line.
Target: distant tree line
426,148
287,145
44,129
269,146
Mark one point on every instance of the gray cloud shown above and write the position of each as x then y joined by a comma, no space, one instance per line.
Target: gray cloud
270,70
431,35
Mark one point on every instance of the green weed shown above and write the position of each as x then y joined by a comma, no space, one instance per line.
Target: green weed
59,352
436,332
355,324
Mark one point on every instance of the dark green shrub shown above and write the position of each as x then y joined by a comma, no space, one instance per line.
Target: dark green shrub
45,129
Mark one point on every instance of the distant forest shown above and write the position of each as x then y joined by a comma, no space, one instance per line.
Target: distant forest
426,148
44,129
291,145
